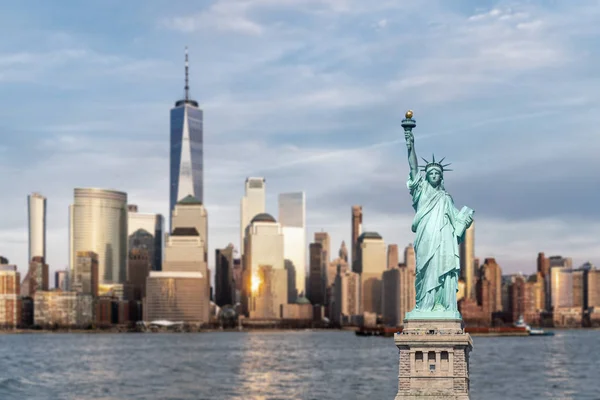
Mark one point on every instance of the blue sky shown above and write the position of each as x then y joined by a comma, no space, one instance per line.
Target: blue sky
310,94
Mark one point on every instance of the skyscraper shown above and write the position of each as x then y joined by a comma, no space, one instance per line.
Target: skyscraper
98,223
145,231
292,217
186,160
36,209
225,291
392,256
357,215
316,294
252,204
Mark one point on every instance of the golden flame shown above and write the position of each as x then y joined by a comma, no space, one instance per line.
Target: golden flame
409,114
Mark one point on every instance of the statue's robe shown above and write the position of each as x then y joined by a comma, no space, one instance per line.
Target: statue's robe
439,229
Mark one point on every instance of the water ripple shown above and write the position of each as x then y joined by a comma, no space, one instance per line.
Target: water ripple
278,365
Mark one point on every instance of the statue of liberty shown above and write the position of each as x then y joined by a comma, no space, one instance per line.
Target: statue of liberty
439,229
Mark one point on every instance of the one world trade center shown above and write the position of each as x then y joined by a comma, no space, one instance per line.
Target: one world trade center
186,162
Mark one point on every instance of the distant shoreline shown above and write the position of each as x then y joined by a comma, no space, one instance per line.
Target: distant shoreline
124,330
212,330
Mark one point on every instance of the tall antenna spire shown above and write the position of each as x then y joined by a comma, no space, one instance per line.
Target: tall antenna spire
187,86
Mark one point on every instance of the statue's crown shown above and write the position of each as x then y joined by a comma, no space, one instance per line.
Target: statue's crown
433,164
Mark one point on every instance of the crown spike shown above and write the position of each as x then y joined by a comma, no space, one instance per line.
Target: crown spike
432,158
442,160
426,162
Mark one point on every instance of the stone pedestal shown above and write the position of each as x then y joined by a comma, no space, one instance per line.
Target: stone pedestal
434,360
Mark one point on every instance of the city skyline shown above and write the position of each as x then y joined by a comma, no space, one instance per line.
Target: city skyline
308,133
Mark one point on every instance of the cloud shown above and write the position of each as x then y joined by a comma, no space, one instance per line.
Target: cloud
311,95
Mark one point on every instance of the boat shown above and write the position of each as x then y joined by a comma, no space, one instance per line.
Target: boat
384,331
532,331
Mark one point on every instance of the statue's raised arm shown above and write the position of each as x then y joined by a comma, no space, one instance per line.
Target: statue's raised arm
413,163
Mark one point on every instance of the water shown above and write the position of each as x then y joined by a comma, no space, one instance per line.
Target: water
279,365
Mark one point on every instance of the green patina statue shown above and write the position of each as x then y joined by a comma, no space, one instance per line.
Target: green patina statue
439,229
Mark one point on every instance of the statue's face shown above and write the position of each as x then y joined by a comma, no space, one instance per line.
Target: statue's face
434,177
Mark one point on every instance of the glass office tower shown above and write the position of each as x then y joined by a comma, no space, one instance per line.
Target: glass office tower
186,160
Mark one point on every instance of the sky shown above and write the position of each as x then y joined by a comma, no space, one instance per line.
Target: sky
310,94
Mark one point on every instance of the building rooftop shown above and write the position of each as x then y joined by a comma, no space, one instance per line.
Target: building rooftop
189,200
263,217
302,300
369,235
185,232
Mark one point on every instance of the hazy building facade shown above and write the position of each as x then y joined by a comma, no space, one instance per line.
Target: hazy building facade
467,261
347,296
145,231
270,296
84,279
561,291
391,297
65,309
263,246
36,210
138,269
177,296
98,223
187,147
61,279
392,256
593,289
316,274
372,262
224,283
37,276
181,291
292,218
325,241
10,302
191,213
492,272
357,217
253,203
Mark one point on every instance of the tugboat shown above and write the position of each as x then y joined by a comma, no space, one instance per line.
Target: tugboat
532,331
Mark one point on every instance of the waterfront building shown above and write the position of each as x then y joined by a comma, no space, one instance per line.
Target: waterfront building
98,223
224,283
561,291
181,290
391,297
357,217
36,277
316,274
372,262
347,296
10,288
263,246
493,274
292,218
64,309
145,231
61,279
85,274
138,268
177,296
270,296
